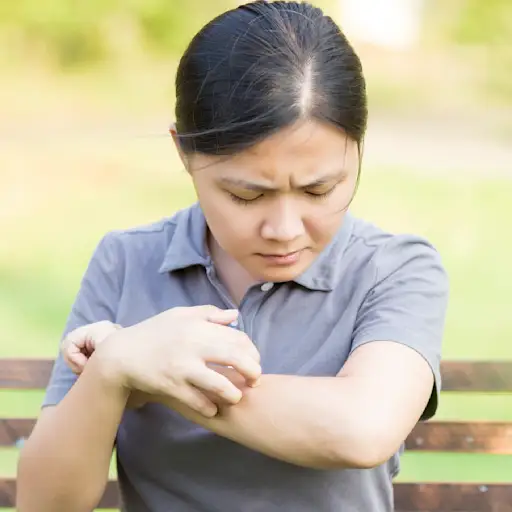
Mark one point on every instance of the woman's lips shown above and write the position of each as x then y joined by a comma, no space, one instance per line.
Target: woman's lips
282,259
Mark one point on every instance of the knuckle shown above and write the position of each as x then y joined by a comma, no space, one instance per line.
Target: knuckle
219,388
248,346
222,350
245,341
249,366
177,311
240,360
76,334
174,375
208,308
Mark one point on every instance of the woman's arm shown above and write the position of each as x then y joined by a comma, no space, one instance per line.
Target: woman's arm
358,419
361,417
64,464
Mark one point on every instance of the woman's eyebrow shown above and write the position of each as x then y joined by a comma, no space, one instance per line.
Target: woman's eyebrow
327,178
249,185
261,187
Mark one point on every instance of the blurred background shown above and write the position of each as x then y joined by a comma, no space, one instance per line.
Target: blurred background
86,97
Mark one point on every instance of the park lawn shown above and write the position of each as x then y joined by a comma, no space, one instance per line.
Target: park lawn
466,218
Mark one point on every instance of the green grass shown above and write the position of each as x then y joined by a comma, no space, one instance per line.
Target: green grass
467,219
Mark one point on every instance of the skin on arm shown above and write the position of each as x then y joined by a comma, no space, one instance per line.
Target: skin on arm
64,464
73,441
355,420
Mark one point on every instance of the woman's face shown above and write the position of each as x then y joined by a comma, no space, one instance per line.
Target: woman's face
274,207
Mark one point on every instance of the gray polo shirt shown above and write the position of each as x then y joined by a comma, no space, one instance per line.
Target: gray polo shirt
367,285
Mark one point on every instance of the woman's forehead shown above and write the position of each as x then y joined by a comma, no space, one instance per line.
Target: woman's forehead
304,138
310,151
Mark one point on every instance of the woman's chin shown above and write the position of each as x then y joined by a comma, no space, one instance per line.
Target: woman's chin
279,273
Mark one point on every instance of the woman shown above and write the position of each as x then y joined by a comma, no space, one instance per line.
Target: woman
303,405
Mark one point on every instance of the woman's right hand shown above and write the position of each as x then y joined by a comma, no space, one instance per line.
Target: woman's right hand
168,354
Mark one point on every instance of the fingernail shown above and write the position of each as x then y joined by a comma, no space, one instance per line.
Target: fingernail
256,383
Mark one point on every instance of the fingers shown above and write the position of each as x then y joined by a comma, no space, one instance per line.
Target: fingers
223,316
80,343
234,339
217,384
234,348
241,362
72,347
76,361
212,314
196,400
237,351
76,338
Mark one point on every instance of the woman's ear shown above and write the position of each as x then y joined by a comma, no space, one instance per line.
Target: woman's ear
175,138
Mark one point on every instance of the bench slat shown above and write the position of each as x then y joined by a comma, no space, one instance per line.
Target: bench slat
8,493
468,376
448,497
12,430
431,497
451,436
474,376
25,373
459,436
477,376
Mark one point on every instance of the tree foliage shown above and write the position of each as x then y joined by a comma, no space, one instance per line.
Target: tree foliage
76,32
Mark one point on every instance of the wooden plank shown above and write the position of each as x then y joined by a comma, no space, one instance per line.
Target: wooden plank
427,497
25,373
459,436
477,376
450,497
8,494
13,431
473,376
449,436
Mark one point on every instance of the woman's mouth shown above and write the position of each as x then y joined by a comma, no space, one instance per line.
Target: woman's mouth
288,259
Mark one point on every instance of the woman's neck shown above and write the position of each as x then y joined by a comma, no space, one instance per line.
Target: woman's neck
232,275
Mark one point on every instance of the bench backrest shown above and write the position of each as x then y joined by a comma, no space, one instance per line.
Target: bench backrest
436,436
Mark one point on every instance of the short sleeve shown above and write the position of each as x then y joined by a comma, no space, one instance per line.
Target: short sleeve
97,300
407,303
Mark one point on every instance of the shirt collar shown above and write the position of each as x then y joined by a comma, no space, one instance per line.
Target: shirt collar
188,242
188,248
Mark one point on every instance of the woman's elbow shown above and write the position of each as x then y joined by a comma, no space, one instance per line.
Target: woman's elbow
368,448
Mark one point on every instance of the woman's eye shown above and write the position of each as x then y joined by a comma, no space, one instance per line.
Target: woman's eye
320,193
243,200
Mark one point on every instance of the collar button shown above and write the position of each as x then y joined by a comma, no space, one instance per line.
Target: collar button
265,287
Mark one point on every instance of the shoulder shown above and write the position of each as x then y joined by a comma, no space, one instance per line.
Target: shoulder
155,235
145,243
379,253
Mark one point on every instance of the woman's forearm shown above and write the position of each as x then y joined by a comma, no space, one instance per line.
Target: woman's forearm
308,421
293,419
64,464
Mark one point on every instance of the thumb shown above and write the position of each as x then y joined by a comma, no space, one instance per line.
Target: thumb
223,316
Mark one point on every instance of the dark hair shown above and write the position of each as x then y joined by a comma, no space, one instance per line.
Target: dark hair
261,67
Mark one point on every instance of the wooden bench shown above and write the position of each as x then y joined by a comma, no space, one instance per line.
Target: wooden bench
453,436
